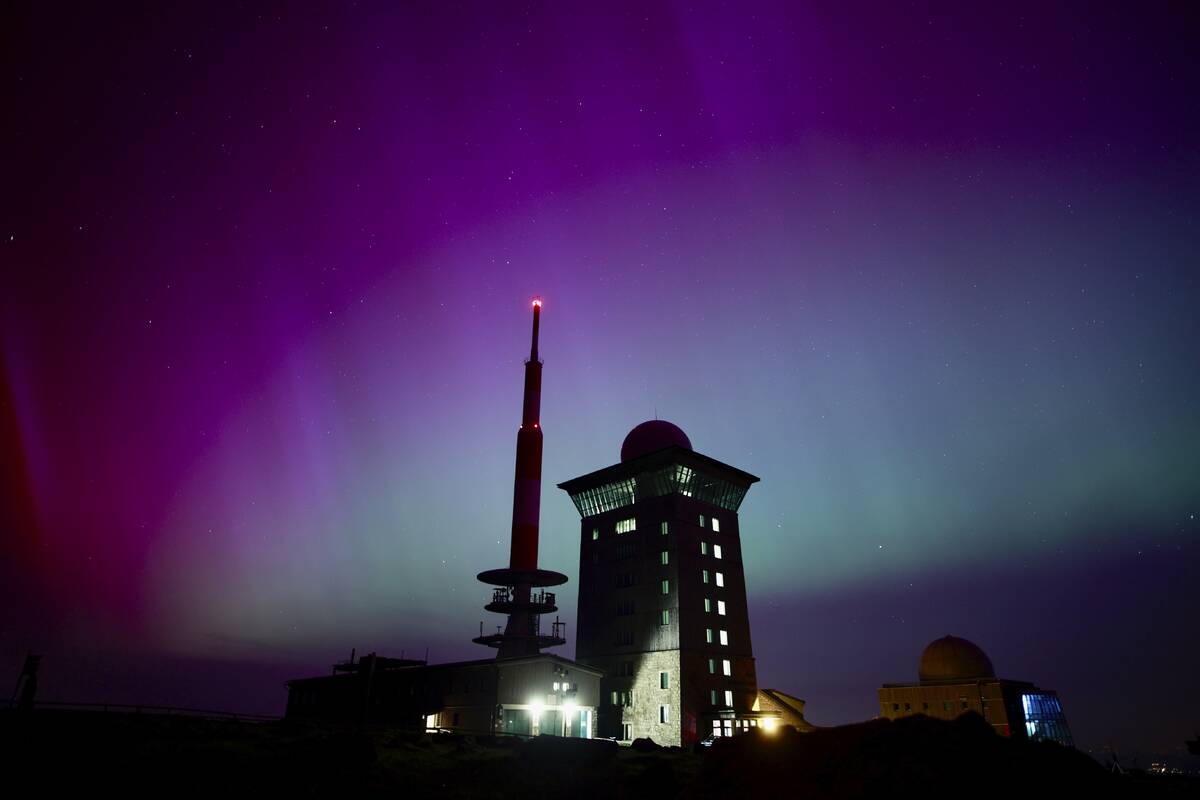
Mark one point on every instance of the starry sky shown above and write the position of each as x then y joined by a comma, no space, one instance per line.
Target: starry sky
930,271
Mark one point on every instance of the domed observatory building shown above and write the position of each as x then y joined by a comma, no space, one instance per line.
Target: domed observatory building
662,594
955,676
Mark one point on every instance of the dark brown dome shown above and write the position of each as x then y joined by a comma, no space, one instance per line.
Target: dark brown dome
652,436
951,658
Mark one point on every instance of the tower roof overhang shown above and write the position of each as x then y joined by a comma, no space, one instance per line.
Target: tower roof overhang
656,463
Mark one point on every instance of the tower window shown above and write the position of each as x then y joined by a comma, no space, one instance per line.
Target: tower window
595,534
708,635
627,525
664,714
712,698
726,667
716,525
704,575
729,698
665,556
716,551
701,520
721,607
626,731
666,617
666,528
720,579
707,606
664,680
704,548
725,638
666,586
712,666
624,608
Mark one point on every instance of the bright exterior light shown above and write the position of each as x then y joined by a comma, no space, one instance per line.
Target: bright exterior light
767,724
535,708
537,302
570,708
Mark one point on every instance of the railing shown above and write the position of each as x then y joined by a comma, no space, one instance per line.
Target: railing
505,595
123,708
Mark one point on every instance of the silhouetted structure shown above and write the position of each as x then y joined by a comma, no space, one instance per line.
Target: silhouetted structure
662,594
27,683
522,690
957,677
522,635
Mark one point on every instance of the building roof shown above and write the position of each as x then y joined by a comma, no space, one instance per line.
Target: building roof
954,659
652,436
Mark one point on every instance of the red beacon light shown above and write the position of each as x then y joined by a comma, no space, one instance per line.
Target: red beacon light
537,302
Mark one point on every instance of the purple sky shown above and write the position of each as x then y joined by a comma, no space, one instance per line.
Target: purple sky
929,271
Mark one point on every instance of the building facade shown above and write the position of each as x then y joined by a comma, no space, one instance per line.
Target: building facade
525,695
956,677
662,591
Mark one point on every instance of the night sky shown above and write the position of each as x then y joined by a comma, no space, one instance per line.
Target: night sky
929,271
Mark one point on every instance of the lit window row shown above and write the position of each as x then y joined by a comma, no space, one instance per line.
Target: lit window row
726,667
714,695
723,636
627,525
716,523
708,606
716,550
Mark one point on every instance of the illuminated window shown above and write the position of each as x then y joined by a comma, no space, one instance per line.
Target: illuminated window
626,731
716,525
556,686
666,586
664,680
666,617
712,666
665,556
725,638
707,606
627,525
704,548
701,520
708,635
729,698
720,579
704,575
721,607
664,714
595,534
726,667
665,528
712,698
716,551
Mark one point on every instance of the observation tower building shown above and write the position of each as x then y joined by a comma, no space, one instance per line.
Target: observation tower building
662,592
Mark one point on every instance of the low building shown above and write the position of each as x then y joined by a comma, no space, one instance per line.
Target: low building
955,676
536,694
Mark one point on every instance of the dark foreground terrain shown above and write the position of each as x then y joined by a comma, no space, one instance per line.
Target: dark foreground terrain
137,755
